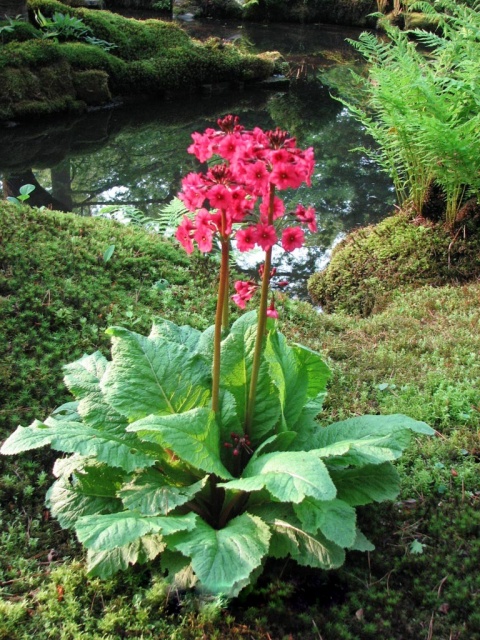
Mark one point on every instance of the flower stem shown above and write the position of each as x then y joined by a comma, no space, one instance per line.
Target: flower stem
261,325
219,322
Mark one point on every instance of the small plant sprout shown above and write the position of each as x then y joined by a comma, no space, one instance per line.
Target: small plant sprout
202,448
25,191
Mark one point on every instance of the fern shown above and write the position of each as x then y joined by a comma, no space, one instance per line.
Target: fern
422,110
167,218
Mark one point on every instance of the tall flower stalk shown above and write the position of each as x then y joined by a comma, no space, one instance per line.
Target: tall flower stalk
236,201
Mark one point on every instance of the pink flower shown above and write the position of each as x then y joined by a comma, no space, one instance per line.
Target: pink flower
256,177
219,197
278,208
266,236
246,238
307,216
271,311
245,291
184,234
292,238
286,176
203,237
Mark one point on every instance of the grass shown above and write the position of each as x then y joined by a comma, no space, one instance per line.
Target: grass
418,355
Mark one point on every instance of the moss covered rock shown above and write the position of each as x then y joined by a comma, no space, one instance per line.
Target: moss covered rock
374,261
145,57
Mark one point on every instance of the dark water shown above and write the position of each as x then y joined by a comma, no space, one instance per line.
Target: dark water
136,155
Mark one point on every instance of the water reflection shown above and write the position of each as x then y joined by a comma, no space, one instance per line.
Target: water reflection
136,155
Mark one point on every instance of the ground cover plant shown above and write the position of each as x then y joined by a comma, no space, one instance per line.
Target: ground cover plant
416,357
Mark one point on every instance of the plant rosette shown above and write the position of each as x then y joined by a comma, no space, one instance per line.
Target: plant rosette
202,448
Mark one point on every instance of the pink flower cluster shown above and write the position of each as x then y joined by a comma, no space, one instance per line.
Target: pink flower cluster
255,164
227,193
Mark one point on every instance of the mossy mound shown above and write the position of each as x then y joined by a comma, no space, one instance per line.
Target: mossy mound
58,294
374,261
147,57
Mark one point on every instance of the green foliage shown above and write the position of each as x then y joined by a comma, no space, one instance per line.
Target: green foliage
423,111
25,191
147,412
370,264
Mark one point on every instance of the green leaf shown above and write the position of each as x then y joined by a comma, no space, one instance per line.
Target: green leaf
237,352
288,476
108,253
109,531
224,559
26,438
307,549
361,542
371,483
126,451
193,436
150,375
184,335
92,491
317,370
334,518
151,494
105,564
290,378
83,378
370,439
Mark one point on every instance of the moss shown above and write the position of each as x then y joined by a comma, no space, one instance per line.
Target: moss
34,53
22,31
150,57
134,39
372,262
57,295
92,87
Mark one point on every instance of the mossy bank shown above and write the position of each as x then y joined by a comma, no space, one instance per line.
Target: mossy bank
370,264
121,57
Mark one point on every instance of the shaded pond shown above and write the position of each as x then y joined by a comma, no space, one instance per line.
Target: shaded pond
135,155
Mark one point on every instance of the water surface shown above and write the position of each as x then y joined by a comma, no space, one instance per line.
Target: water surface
136,155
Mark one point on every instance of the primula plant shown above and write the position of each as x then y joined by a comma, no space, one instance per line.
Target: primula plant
203,448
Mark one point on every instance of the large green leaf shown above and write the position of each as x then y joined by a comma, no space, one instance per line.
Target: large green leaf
288,476
290,378
235,374
224,559
125,451
334,518
91,491
317,370
193,436
149,375
113,530
105,563
370,439
184,335
151,494
370,483
83,378
288,538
